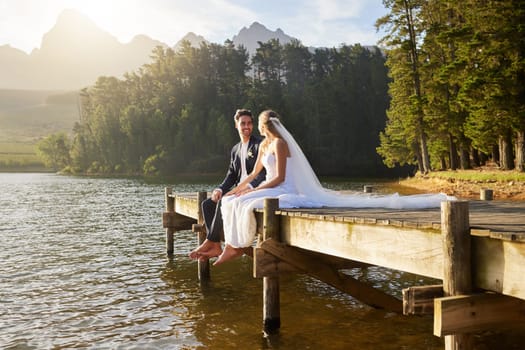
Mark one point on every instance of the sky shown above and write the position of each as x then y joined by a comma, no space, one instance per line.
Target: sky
320,23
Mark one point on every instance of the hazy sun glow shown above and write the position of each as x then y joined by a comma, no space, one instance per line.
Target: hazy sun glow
315,22
116,16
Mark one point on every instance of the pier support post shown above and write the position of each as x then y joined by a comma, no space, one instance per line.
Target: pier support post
486,194
203,265
170,210
271,297
457,275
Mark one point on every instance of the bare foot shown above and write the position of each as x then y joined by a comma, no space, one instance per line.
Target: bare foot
248,251
214,250
207,249
228,254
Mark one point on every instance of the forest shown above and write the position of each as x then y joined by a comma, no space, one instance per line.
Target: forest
443,90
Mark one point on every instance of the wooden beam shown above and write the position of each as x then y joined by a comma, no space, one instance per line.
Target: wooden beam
170,209
176,221
267,265
271,289
473,313
334,261
203,265
369,243
498,266
415,250
457,277
331,276
419,300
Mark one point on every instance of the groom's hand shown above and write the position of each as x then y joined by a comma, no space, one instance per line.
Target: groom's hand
216,195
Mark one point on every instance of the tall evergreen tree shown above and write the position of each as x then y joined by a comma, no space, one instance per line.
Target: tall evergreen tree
403,42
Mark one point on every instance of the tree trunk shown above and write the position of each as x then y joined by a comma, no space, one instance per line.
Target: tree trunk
495,154
465,158
425,159
505,152
453,153
483,158
417,152
443,163
424,154
475,157
520,150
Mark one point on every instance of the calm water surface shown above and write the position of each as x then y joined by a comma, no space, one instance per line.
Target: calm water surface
82,266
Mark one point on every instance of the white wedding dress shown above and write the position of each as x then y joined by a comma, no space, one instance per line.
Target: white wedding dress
237,212
302,189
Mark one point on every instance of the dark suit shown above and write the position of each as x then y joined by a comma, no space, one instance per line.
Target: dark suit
211,210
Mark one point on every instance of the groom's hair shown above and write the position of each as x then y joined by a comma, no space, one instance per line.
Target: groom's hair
240,112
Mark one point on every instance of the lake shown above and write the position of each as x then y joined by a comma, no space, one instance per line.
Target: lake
83,266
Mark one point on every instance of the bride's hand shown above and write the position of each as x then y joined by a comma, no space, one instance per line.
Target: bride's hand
246,190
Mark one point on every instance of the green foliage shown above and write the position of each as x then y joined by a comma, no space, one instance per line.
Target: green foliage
175,115
458,81
54,151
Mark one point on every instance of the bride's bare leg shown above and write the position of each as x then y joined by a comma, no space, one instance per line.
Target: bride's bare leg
229,253
207,249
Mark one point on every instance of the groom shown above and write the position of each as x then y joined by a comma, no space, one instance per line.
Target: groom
242,162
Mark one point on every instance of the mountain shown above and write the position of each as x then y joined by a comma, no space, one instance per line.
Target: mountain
71,56
194,39
249,37
76,51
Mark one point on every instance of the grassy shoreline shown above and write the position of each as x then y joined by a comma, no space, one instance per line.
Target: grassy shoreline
508,185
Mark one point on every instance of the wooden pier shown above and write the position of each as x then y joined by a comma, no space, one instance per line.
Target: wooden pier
476,248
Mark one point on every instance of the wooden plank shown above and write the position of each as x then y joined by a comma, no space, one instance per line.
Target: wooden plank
496,262
419,300
187,206
509,236
413,250
474,313
331,276
498,266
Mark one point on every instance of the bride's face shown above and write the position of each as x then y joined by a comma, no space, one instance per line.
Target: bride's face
262,128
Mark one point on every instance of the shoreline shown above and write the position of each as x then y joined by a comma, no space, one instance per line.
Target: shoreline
467,189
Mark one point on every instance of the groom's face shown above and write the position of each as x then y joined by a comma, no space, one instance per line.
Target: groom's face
244,126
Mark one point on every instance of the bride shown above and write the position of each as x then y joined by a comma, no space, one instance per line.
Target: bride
291,179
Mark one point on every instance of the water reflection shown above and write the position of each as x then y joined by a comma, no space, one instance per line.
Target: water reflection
83,266
227,312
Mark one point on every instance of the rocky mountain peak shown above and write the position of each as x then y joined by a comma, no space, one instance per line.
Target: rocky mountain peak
249,37
75,30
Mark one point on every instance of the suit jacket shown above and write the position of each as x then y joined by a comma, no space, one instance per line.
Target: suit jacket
233,176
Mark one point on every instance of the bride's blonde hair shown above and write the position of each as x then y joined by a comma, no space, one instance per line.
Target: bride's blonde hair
267,117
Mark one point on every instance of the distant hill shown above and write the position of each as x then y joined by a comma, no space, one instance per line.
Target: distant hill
75,52
38,91
28,115
71,56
